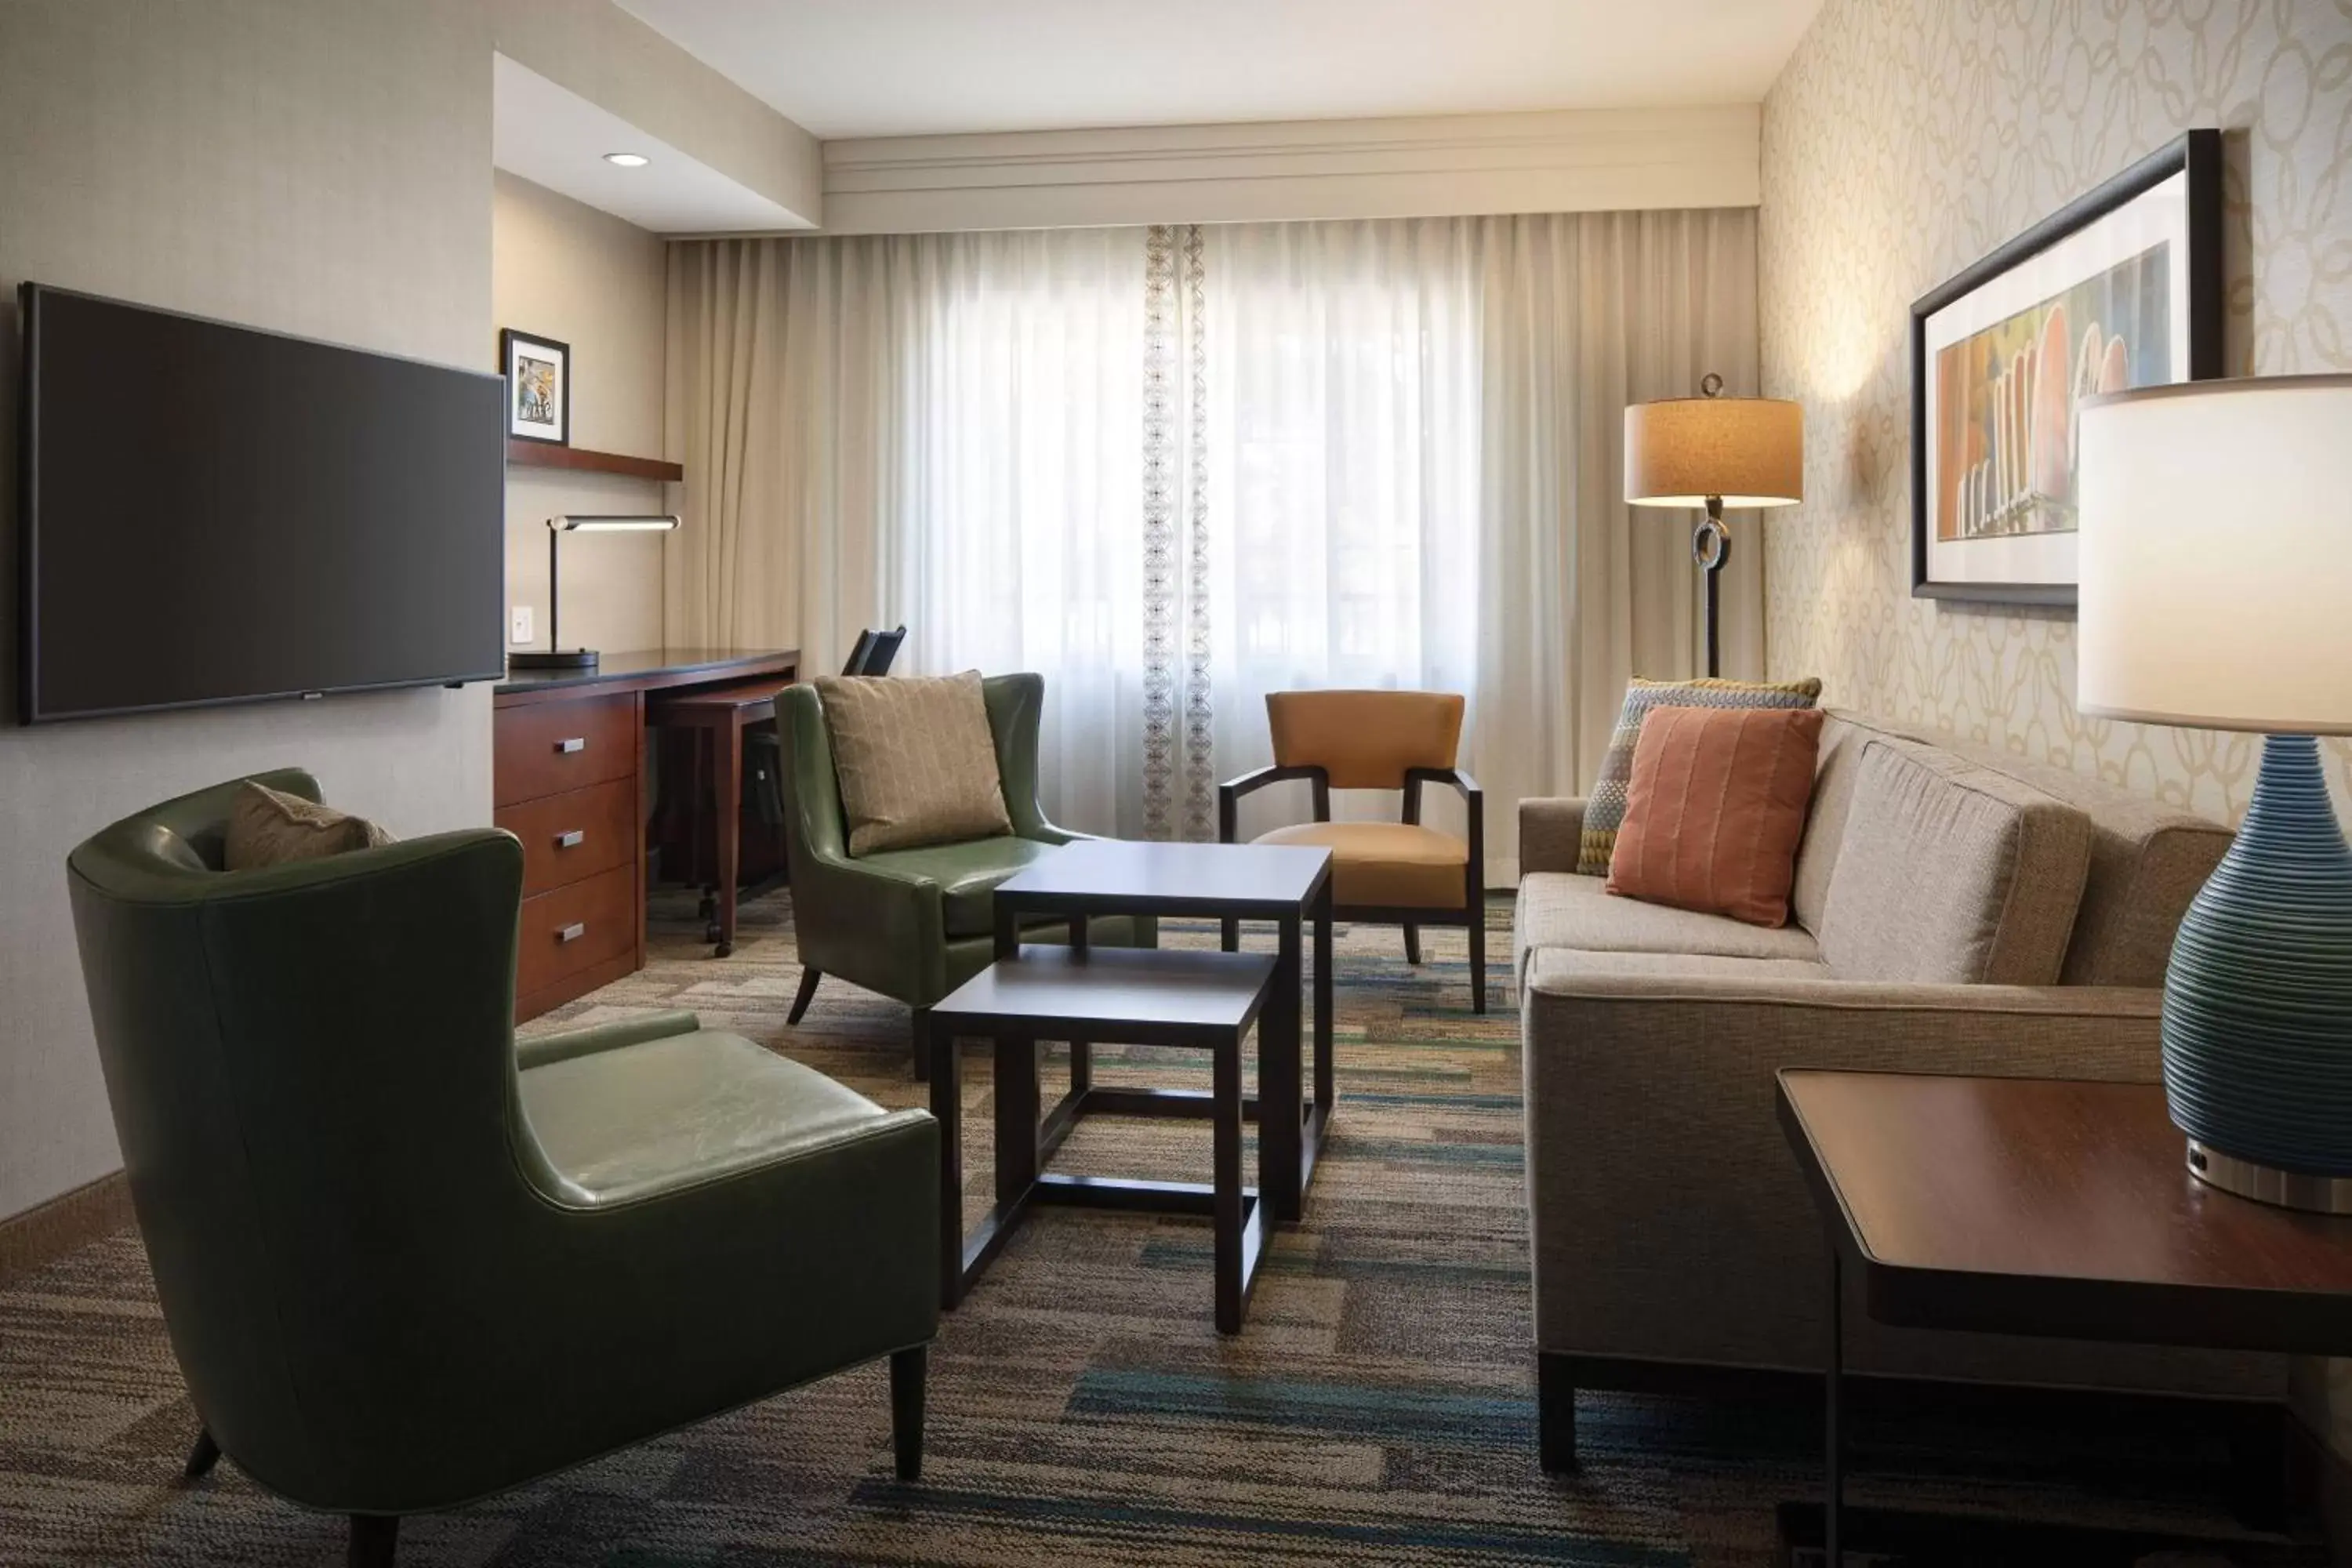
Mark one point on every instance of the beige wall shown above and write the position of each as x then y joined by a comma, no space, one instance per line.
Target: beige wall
1907,138
320,167
567,271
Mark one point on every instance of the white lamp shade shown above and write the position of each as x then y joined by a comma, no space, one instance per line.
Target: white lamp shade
2215,555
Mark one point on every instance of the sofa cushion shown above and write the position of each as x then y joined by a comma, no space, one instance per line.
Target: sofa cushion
916,760
1952,872
1562,909
968,875
2148,858
1604,809
1714,810
1386,865
1561,967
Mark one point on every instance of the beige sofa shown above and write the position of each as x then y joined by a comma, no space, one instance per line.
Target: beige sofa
1955,910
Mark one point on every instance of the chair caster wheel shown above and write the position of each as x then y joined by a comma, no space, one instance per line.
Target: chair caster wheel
711,932
723,949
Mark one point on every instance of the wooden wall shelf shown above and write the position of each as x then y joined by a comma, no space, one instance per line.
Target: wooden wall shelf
543,455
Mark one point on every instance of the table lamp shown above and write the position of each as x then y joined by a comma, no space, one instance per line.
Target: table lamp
1714,451
555,655
2215,554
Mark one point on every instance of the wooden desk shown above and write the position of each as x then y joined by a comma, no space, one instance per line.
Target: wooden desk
569,779
721,712
2054,1207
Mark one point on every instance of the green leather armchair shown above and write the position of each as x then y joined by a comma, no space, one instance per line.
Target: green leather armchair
406,1260
914,924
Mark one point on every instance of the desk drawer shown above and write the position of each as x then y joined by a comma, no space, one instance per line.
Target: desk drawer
545,748
576,926
569,837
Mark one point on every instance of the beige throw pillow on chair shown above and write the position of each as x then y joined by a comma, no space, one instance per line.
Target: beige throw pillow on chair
270,827
914,758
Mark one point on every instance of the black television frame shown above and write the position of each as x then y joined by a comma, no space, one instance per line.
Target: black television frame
28,712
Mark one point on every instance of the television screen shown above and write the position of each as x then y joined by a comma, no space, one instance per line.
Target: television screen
215,514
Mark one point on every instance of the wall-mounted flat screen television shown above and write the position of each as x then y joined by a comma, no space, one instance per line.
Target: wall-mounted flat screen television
209,513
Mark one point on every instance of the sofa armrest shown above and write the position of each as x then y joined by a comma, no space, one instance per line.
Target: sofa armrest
1551,834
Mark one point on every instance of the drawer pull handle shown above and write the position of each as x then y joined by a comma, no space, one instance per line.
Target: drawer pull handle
576,744
571,840
573,931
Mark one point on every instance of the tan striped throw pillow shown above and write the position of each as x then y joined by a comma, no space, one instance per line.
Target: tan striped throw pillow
1605,808
1714,810
914,758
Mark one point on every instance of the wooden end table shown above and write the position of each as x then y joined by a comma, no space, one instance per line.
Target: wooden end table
2048,1208
1136,996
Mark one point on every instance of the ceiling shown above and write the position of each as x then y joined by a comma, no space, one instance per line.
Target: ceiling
893,67
555,138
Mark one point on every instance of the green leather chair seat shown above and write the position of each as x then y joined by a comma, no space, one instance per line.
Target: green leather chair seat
967,873
696,1107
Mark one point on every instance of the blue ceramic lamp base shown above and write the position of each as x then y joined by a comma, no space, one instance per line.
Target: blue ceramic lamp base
2258,1000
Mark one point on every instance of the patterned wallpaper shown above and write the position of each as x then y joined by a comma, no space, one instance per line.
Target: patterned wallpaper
1906,138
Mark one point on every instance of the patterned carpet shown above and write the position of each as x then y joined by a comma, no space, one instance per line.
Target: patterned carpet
1379,1408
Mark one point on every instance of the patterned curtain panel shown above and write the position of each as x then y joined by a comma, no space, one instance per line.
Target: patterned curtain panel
1180,785
1175,468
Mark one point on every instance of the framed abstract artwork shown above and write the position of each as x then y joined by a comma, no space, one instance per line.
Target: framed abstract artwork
539,387
2120,289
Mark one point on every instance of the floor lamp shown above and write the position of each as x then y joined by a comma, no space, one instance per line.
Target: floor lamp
1714,452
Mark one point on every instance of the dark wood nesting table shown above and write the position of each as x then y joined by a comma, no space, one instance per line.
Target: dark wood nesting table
2046,1207
1136,998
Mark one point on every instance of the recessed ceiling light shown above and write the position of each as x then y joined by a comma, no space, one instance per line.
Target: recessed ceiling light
626,159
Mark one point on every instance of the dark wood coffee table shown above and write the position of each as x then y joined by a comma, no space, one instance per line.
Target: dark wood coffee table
1136,996
2049,1208
1286,884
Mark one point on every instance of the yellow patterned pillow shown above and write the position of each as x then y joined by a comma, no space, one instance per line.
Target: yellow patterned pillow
914,758
1604,810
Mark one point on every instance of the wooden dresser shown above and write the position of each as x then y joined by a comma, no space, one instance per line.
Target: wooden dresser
569,779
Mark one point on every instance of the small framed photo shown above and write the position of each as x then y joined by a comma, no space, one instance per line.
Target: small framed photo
2122,289
539,387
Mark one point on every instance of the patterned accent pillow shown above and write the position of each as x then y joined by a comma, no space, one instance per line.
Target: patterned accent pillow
268,828
1604,809
914,758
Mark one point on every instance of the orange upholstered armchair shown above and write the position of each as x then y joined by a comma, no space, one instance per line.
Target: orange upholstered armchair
1383,873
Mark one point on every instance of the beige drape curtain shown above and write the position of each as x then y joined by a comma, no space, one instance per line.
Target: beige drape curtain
1577,592
826,394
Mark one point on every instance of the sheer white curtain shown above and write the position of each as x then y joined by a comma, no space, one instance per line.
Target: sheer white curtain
1415,478
1173,470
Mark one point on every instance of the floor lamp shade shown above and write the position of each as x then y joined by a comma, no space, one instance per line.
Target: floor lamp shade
1740,451
1714,452
2215,562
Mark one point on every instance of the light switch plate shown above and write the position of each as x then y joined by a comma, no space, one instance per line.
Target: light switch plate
519,631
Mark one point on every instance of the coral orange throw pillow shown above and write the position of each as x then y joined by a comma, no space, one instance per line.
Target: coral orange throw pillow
1715,809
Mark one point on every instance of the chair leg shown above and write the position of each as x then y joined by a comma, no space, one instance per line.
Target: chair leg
921,1035
906,1371
810,975
203,1456
375,1537
1477,958
1411,943
1555,1412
